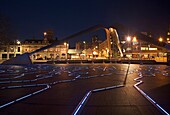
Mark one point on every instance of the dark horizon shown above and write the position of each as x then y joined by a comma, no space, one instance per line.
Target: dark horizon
32,18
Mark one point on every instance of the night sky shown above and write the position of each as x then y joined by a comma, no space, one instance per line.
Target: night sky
65,17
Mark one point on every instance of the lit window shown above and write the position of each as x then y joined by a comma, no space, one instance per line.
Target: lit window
134,39
153,48
144,48
123,42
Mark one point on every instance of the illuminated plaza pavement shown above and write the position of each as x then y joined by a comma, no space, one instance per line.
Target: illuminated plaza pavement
62,89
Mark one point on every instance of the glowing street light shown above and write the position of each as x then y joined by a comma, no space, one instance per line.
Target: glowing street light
128,45
45,33
128,38
66,46
18,42
160,39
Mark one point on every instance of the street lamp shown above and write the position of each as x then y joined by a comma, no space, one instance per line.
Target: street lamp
18,42
160,39
85,48
45,33
128,38
66,46
16,47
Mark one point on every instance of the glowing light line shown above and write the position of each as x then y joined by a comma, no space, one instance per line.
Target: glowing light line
87,96
147,96
82,102
24,97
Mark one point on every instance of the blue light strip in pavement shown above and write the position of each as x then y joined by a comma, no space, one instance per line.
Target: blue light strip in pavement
96,90
147,96
162,109
82,102
24,97
9,103
87,96
23,86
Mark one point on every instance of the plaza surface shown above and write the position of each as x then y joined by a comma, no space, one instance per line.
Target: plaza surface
87,89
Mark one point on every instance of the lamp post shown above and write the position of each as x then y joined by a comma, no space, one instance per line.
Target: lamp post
19,43
16,43
84,42
160,39
66,46
129,41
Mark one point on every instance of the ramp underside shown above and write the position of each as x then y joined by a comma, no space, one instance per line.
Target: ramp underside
21,59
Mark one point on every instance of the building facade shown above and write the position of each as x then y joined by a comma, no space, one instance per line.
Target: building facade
133,48
55,53
10,50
